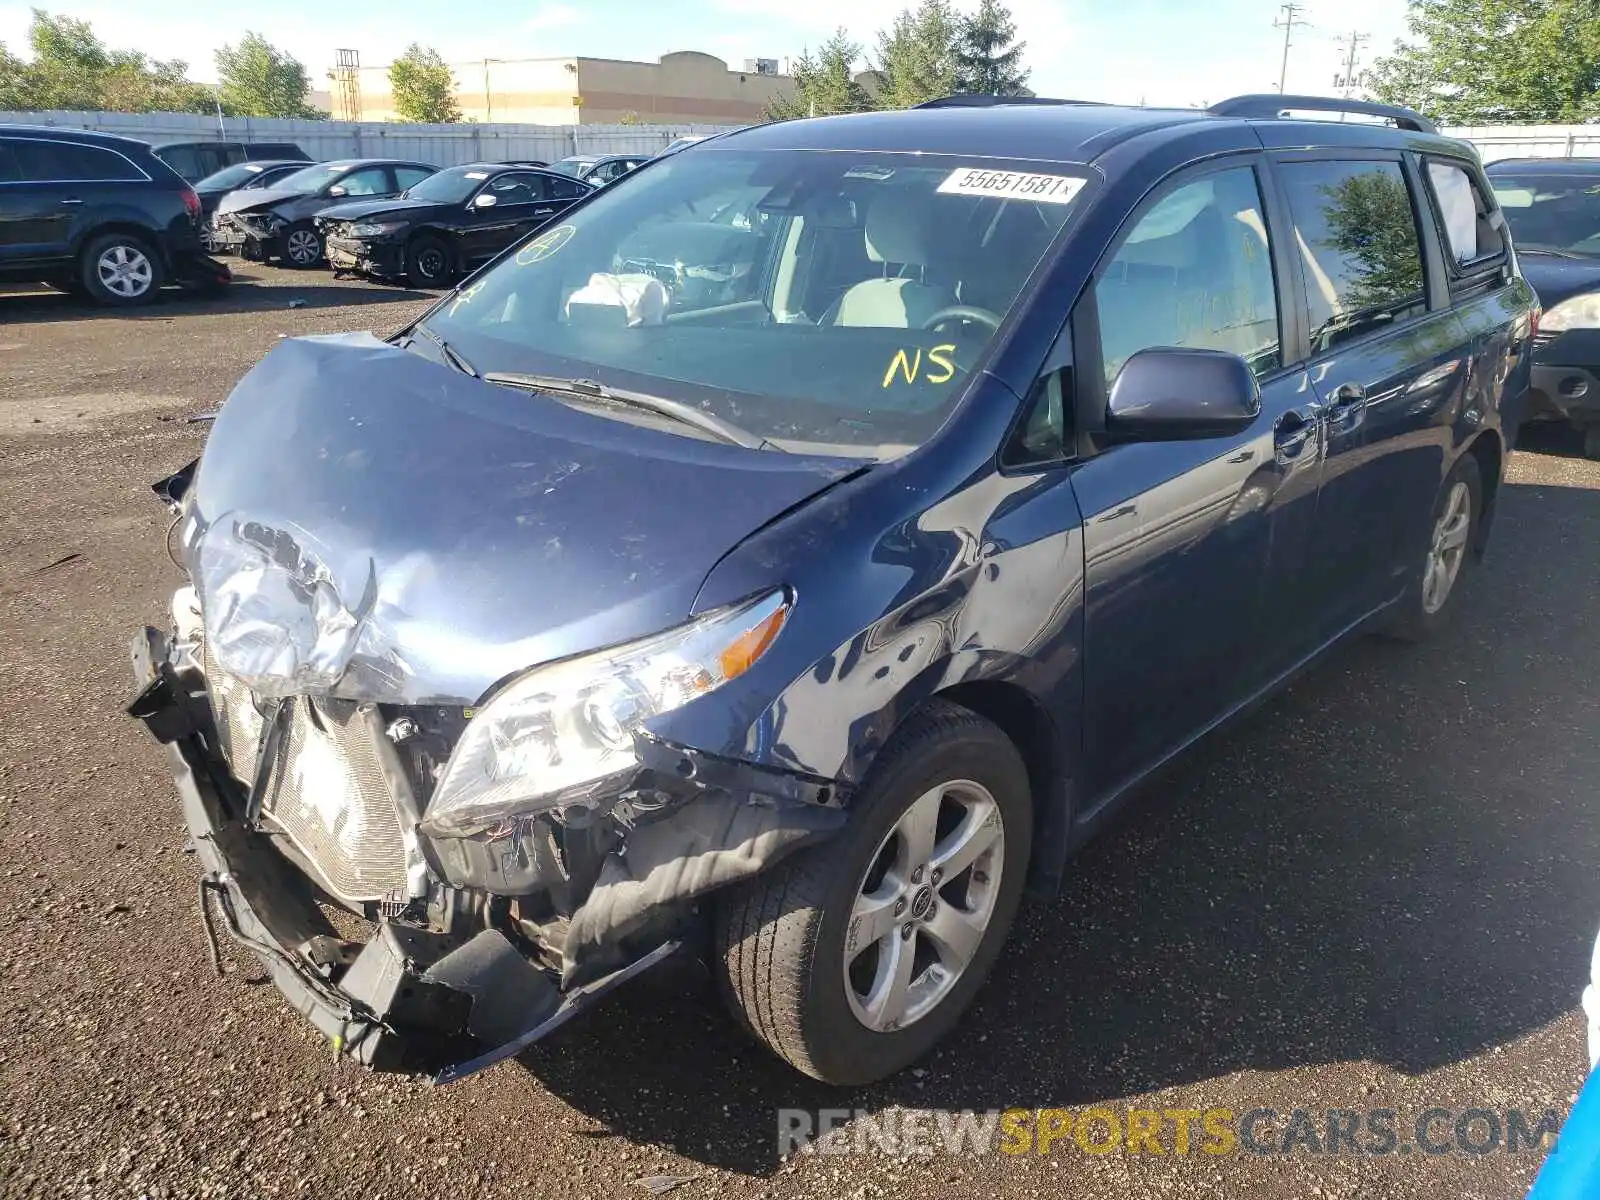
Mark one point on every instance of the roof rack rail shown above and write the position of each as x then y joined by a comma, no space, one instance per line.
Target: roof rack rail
1273,105
982,100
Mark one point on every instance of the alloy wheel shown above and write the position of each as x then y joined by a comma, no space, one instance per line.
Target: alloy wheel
125,271
924,905
1447,548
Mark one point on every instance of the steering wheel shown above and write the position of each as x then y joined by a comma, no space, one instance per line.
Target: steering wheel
964,312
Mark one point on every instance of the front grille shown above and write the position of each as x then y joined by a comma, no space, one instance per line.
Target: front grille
327,790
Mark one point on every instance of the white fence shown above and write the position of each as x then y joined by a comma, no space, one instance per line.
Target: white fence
444,145
1532,141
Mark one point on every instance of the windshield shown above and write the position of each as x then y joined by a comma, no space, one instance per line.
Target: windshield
820,298
230,177
310,179
1552,212
452,186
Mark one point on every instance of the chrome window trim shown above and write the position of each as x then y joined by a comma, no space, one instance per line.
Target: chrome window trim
12,140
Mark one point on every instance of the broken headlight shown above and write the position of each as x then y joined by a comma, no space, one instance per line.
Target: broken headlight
375,229
555,736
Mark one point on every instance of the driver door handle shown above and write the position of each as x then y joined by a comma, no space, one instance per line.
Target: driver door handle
1347,408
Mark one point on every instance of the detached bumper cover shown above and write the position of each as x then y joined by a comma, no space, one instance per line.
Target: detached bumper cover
414,999
409,999
387,259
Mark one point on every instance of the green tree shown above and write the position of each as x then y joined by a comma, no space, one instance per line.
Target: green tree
423,86
69,63
917,55
73,69
259,80
1478,62
1370,221
988,56
16,85
824,83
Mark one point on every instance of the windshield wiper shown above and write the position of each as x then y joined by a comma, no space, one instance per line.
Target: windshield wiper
452,356
590,390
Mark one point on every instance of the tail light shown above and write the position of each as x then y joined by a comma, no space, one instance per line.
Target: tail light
191,202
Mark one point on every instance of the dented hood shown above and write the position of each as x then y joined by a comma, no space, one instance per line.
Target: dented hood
371,525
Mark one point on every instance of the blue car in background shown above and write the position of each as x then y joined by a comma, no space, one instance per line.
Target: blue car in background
800,551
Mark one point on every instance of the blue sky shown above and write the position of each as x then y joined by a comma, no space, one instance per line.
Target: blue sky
1158,51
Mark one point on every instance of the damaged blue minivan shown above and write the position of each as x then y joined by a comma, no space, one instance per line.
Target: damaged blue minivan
801,548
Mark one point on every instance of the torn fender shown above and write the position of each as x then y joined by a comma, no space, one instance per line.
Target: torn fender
716,840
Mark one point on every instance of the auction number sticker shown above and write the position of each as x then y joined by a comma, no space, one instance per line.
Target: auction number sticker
1013,185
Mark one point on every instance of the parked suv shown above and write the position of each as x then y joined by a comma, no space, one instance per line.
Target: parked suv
276,221
800,550
99,214
195,160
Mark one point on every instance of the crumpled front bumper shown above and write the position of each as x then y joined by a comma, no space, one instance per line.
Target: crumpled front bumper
387,260
414,999
409,999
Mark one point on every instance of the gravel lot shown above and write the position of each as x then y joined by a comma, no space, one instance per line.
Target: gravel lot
1379,891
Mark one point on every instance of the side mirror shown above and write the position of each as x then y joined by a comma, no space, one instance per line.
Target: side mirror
336,190
485,200
1169,394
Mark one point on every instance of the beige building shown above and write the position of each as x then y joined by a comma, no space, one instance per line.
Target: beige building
684,87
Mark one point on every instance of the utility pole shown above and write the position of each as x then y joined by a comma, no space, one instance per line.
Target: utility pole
1349,81
1291,18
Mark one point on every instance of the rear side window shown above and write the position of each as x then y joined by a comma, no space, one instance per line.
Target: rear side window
562,188
406,176
1466,213
519,187
64,162
10,170
1356,235
1194,271
185,161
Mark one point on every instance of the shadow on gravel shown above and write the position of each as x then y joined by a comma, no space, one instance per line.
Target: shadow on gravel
242,295
1394,861
1551,437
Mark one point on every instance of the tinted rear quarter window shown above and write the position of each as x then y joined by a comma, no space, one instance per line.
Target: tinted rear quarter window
562,188
1356,236
10,169
65,162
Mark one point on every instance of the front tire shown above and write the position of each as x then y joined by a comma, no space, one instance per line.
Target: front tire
1447,557
302,246
428,265
121,269
851,959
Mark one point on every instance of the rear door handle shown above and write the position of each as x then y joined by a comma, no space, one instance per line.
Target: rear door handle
1347,408
1293,433
72,200
543,212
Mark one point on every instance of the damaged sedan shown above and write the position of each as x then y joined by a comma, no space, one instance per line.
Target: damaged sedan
276,222
446,226
794,555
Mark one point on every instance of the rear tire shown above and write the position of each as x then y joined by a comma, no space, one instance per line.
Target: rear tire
120,269
851,959
302,246
1447,558
428,265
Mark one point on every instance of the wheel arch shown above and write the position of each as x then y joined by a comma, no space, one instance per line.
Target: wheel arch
1023,719
1488,449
